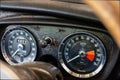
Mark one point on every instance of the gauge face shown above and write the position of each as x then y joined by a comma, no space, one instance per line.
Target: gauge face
82,55
18,46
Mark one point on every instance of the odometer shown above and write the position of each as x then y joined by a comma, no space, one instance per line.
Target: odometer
82,55
18,45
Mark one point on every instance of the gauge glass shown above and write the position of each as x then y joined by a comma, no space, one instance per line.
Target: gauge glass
18,46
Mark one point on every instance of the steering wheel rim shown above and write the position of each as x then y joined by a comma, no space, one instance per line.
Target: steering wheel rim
108,12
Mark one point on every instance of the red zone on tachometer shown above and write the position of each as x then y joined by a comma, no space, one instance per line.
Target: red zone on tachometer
90,55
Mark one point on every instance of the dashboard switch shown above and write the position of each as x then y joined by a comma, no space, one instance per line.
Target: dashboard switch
47,41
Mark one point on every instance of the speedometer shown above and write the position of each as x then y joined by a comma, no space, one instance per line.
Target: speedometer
82,55
18,45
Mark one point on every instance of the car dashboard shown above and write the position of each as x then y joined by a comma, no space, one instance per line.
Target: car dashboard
69,37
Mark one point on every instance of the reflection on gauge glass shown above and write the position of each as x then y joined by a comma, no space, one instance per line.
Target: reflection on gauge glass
82,55
18,46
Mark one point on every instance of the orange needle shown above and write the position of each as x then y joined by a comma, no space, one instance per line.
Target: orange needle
90,55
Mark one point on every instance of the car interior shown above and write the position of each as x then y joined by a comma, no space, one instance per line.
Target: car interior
59,39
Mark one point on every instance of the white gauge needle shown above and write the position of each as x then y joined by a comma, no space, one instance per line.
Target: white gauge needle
15,52
73,58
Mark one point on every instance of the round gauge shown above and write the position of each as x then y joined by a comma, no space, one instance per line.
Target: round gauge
18,46
82,55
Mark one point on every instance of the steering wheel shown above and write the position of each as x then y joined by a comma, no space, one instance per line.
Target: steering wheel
108,12
30,71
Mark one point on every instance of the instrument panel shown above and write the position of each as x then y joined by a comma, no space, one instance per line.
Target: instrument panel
73,40
82,53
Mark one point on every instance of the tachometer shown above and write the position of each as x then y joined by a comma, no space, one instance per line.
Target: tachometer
82,55
18,46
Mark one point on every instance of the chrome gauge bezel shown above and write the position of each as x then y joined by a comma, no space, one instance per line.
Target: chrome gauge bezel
7,57
77,74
